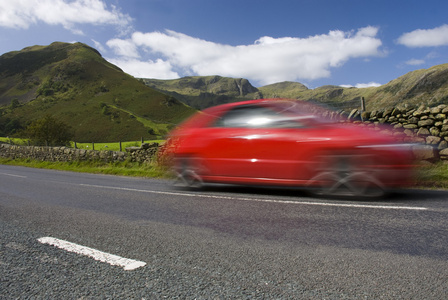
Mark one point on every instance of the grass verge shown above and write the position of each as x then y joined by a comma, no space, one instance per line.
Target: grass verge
434,176
125,168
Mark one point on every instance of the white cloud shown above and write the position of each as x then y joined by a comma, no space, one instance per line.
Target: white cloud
267,60
124,48
366,85
99,46
362,85
21,14
425,37
415,62
158,69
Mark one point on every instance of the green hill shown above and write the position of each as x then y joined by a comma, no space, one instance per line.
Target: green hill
75,84
426,86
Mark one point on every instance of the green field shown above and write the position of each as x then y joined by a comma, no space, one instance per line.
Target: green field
112,146
88,146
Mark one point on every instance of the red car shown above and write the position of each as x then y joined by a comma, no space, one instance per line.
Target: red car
286,143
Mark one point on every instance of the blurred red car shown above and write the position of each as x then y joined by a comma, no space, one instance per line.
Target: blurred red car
286,143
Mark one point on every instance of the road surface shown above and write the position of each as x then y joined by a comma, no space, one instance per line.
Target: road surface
143,239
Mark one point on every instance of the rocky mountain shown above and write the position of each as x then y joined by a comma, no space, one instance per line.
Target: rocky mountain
204,91
75,84
426,86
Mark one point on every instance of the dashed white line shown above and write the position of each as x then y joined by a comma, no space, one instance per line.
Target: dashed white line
262,200
13,175
115,260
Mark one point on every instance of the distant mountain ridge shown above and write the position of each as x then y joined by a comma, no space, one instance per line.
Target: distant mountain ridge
204,91
425,86
75,84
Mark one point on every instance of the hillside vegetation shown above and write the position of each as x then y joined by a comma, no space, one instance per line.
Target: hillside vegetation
73,83
427,86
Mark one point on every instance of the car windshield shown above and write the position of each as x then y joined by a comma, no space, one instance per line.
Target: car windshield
301,109
278,114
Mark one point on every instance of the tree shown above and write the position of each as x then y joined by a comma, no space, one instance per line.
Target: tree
14,103
50,132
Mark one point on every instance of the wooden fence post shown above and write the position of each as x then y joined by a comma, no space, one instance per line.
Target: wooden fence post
363,107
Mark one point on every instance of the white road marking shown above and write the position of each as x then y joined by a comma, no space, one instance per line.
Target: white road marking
115,260
13,175
262,200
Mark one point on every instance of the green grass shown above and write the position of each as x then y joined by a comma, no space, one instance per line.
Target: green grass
112,146
126,168
433,176
14,141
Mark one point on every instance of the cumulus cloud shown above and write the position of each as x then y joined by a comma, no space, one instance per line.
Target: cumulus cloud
362,85
158,69
23,13
415,62
98,46
425,37
123,48
267,60
366,85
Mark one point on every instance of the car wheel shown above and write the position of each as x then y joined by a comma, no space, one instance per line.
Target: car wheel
345,176
186,174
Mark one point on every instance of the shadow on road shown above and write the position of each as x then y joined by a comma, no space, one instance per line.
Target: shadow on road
402,195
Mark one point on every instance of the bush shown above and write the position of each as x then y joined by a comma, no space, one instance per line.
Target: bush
49,132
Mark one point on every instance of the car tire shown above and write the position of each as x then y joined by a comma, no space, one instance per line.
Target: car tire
345,176
187,175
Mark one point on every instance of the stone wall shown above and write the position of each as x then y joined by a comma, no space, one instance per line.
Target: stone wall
427,126
142,154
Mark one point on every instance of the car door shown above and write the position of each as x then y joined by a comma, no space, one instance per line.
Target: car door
257,142
226,150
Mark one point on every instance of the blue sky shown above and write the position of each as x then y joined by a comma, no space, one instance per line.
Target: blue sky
315,42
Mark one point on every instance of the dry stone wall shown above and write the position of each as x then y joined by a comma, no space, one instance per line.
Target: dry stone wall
426,126
142,154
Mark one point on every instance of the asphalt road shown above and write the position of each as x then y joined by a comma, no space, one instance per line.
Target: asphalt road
221,243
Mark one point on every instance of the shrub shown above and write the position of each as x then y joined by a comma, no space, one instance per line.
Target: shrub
50,132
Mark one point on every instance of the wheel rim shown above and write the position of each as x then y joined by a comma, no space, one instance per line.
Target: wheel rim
340,177
186,175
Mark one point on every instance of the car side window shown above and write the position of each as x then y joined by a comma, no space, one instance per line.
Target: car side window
255,117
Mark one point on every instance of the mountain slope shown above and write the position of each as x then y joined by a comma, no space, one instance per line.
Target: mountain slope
204,91
76,85
426,86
